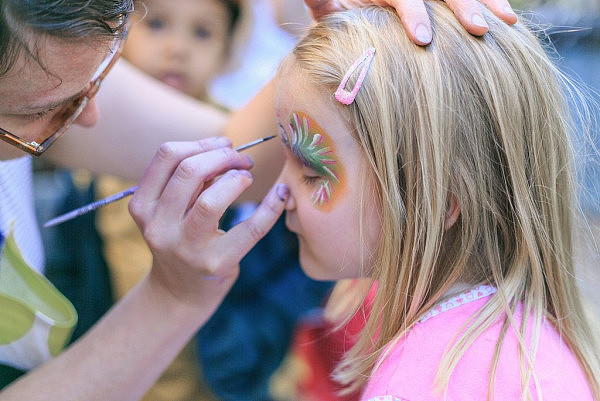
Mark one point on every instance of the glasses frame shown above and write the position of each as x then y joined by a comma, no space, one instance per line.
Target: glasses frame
36,149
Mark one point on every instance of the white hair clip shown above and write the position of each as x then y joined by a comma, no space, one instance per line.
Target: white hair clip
347,97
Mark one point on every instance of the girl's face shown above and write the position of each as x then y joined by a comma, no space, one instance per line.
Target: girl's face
182,43
323,169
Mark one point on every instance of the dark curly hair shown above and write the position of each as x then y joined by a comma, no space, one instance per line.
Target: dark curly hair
70,19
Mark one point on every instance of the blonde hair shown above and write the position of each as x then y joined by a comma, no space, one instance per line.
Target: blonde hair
483,121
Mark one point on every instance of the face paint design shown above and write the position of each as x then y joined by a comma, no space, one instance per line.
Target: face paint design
312,150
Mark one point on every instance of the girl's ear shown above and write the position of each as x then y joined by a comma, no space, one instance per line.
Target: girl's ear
452,212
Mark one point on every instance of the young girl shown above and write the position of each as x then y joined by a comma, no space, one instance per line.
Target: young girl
443,174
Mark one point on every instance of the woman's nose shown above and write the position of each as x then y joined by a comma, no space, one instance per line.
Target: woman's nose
89,115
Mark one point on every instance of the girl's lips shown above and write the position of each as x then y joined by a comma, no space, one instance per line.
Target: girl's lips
174,80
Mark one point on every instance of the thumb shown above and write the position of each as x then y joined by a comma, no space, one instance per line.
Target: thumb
246,234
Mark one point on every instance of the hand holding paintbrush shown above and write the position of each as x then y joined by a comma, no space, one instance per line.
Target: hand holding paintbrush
129,191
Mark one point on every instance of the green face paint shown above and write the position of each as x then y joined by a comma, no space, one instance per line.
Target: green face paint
311,147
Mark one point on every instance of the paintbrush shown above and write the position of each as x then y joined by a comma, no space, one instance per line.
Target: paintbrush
129,191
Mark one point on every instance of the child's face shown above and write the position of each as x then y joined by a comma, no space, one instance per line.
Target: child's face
322,169
183,43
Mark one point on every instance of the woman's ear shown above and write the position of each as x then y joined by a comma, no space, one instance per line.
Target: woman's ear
452,212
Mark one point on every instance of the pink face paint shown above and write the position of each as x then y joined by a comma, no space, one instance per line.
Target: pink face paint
313,148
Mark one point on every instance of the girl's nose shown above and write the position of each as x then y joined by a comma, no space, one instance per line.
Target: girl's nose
89,115
291,202
176,46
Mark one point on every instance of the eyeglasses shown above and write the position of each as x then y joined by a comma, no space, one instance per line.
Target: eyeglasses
48,132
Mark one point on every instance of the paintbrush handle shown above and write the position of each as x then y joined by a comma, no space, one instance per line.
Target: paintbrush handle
129,191
88,208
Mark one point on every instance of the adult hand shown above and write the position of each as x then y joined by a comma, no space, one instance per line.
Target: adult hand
181,197
414,15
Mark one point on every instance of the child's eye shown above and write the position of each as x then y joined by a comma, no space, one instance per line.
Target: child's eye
310,179
155,24
202,33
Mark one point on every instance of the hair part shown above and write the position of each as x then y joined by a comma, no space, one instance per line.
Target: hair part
483,120
73,19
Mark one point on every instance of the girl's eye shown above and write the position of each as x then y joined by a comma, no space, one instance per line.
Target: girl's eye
202,33
310,179
309,176
155,24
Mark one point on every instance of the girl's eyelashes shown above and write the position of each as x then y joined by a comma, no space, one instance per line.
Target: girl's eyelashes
310,179
283,136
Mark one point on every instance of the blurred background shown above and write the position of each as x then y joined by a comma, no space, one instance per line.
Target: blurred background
573,27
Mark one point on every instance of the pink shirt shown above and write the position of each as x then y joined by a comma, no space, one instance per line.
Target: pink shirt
409,370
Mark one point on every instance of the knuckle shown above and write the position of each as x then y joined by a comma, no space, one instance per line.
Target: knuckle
228,154
153,237
186,169
273,206
256,231
203,145
167,151
135,209
205,207
213,264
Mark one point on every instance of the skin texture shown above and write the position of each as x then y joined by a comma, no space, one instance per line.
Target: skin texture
328,234
182,43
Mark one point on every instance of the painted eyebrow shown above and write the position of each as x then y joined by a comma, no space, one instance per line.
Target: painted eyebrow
284,136
286,142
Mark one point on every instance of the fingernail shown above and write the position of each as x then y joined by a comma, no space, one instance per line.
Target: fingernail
249,159
244,172
509,10
478,20
423,34
283,192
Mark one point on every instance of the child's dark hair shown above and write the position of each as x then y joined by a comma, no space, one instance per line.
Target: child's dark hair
234,11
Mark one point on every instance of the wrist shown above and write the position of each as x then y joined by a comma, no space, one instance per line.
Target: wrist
200,296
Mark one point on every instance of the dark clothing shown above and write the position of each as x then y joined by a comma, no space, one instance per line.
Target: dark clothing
249,335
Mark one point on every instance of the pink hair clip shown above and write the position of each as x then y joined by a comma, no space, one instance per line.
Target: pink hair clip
347,97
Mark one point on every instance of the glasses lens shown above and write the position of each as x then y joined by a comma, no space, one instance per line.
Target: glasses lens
38,128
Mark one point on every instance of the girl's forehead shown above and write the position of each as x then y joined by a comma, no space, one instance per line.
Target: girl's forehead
296,93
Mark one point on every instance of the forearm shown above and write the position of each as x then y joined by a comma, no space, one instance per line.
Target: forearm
255,120
125,352
137,115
